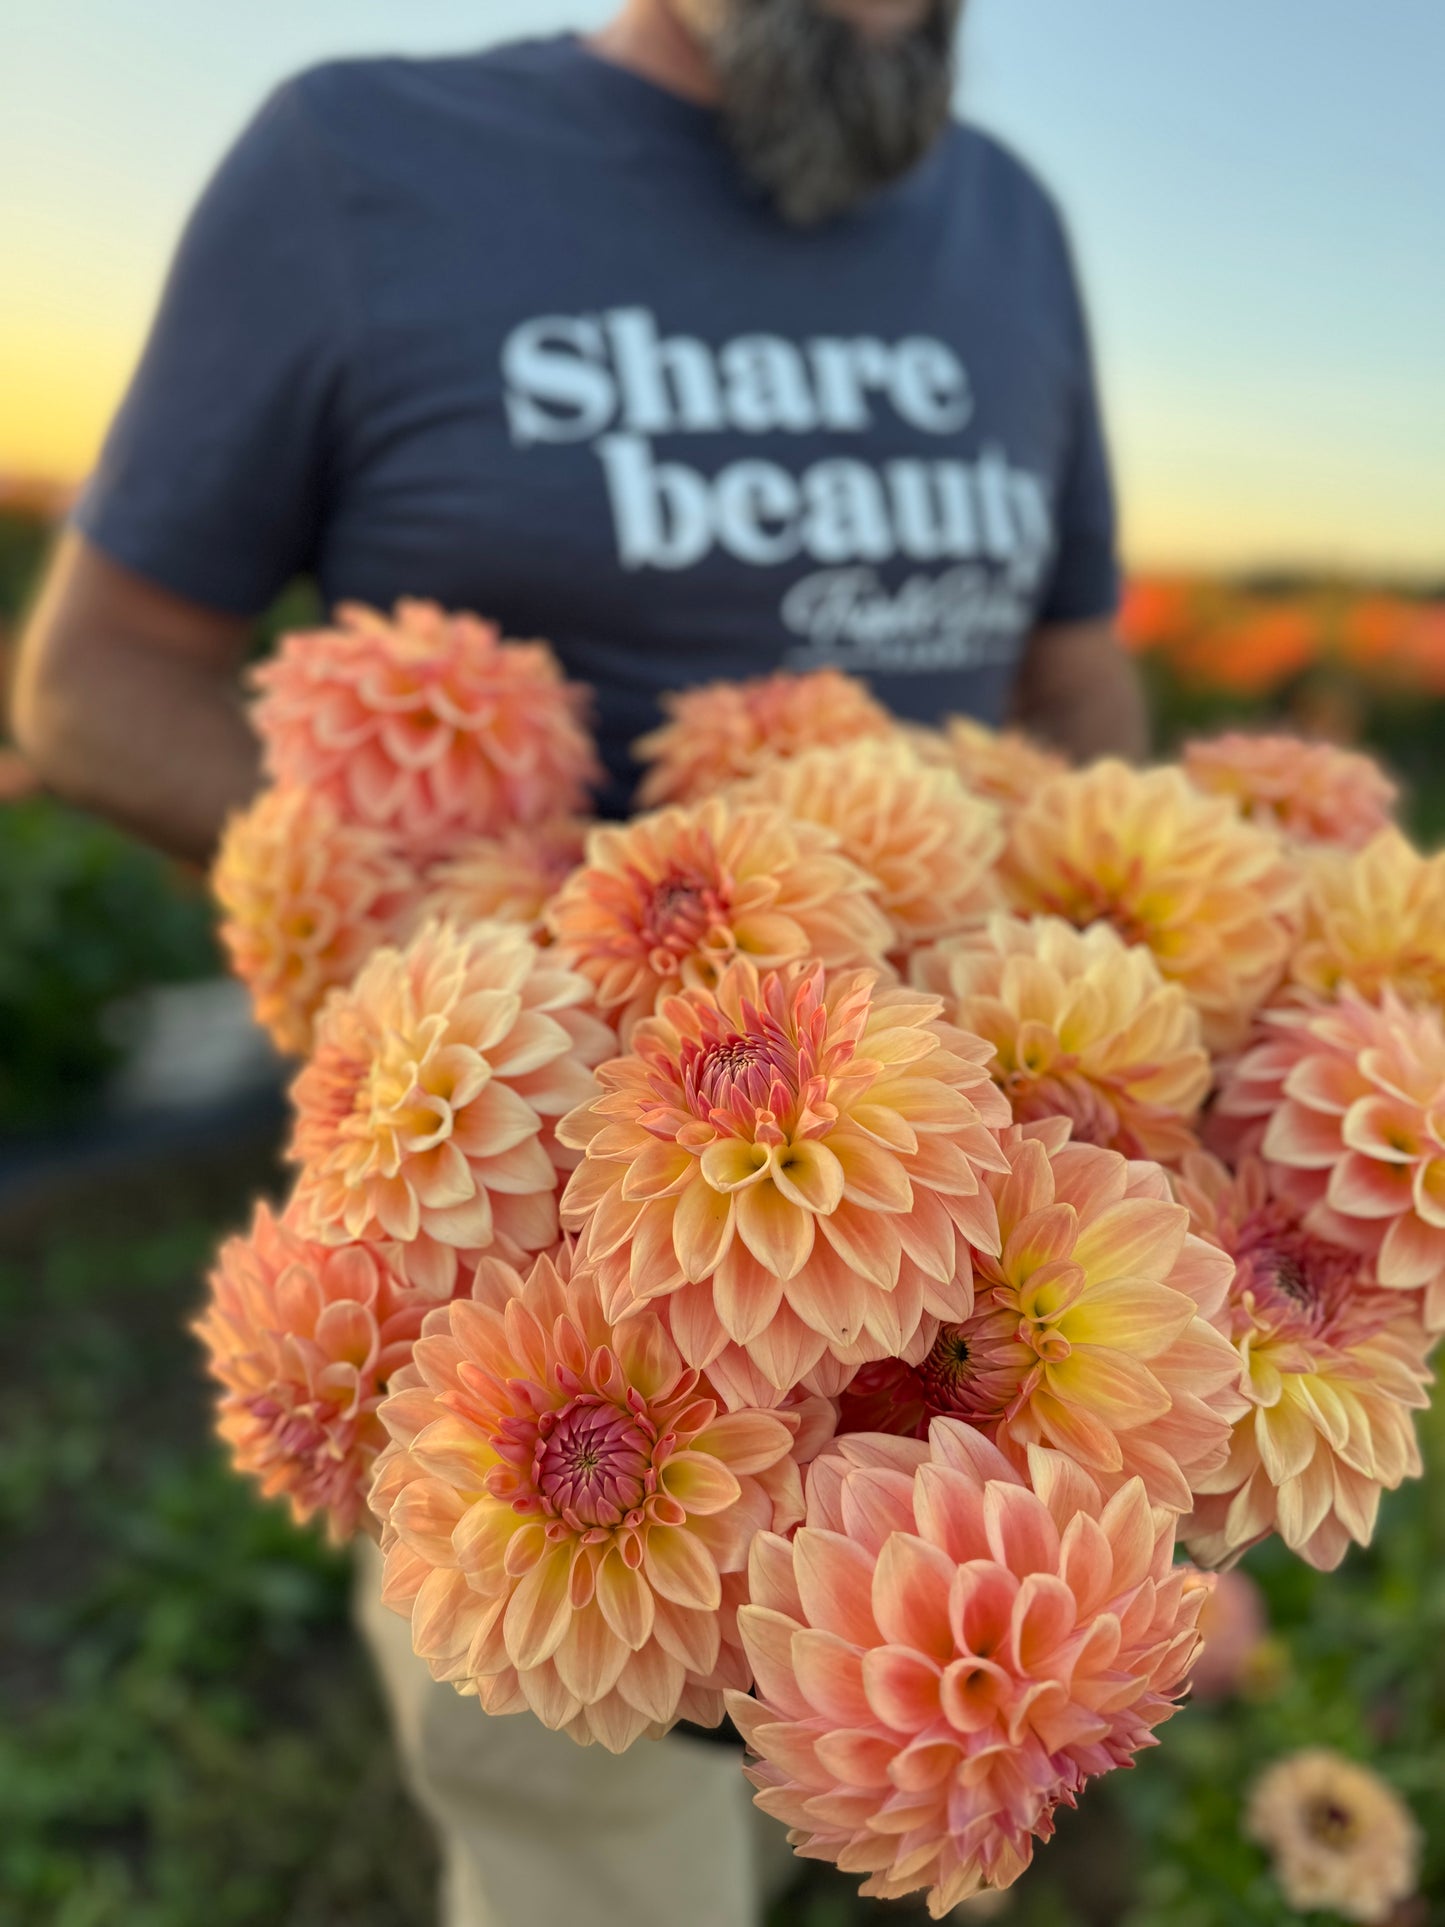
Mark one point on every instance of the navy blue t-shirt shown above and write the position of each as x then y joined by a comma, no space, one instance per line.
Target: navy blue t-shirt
511,331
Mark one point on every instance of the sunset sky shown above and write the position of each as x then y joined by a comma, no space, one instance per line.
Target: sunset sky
1255,187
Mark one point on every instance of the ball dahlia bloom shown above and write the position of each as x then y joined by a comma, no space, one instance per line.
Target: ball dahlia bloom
791,1166
508,878
669,900
724,730
1374,921
565,1513
426,723
1093,1330
1215,898
1339,1837
1004,766
1346,1104
1083,1025
947,1652
422,1118
303,1340
1333,1367
927,843
1313,792
305,898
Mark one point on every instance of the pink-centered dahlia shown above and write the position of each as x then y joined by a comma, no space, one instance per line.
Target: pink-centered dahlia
303,1340
1083,1025
1004,766
423,1118
1333,1366
1350,1099
566,1514
305,898
790,1165
1313,792
1374,920
426,723
668,901
1093,1331
947,1652
927,843
508,877
1215,898
724,730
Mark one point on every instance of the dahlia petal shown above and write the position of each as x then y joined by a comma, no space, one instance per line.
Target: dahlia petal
856,1756
830,1673
699,1483
901,1687
1136,1238
1412,1254
539,1611
1021,1532
1044,1616
746,1442
834,1576
680,1568
910,1594
948,1505
809,1176
652,1681
702,1229
777,1233
1363,1187
767,1637
626,1601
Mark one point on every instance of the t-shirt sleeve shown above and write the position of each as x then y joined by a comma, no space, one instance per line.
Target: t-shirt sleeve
212,480
1084,581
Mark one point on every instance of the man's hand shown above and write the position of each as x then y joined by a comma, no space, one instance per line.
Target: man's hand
1079,691
125,700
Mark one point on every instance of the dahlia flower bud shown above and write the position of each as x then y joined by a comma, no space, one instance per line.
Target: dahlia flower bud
947,1652
1313,792
566,1515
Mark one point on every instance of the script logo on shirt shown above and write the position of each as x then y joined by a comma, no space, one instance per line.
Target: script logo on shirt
616,382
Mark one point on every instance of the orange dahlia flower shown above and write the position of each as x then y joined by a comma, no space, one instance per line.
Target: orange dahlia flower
1313,792
509,877
1332,1366
792,1163
305,898
945,1654
669,900
725,730
928,845
1214,897
1083,1026
420,1118
1351,1098
426,723
303,1341
1093,1331
566,1515
1001,765
1374,921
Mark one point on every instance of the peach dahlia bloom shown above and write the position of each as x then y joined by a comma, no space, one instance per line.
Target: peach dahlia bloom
1333,1367
1340,1838
508,877
1215,898
928,845
669,900
1314,792
1083,1025
792,1164
724,730
305,898
1093,1331
1002,765
566,1515
426,723
303,1340
1374,921
947,1652
421,1117
1351,1101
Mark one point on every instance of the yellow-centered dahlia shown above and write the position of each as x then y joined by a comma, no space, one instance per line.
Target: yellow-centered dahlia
1333,1367
566,1515
1093,1331
1313,792
305,898
1340,1838
303,1340
509,877
927,843
1215,898
947,1653
1002,765
668,901
426,723
1374,920
1083,1025
422,1119
725,730
792,1164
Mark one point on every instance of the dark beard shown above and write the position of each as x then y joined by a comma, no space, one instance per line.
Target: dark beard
822,116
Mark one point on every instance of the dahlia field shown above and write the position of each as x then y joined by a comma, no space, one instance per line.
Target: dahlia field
863,1248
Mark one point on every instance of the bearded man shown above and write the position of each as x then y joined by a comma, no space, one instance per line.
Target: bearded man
704,347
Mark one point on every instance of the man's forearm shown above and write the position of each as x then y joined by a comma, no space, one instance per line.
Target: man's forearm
1080,692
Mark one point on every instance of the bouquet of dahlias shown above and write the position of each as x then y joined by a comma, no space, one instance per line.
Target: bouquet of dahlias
818,1251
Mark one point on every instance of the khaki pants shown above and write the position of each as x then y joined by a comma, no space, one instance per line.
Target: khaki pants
536,1831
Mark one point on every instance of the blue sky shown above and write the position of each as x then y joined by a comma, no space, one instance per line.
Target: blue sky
1256,189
